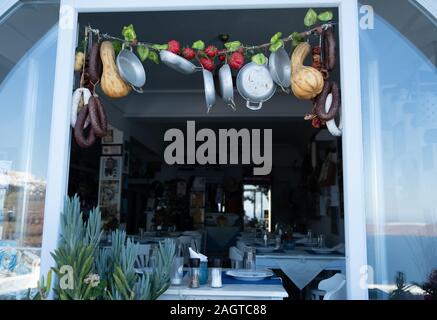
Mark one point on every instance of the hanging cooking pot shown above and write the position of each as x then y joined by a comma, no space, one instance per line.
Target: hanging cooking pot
226,85
208,82
280,69
255,84
178,63
131,69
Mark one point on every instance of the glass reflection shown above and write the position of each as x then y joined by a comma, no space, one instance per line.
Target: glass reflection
399,95
25,109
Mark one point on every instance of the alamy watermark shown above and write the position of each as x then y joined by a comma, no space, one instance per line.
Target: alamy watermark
214,150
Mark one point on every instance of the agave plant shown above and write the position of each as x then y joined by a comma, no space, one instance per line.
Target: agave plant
85,271
124,282
402,290
75,254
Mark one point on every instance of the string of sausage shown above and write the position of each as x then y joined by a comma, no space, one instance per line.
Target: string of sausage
330,87
94,110
79,134
93,68
319,109
330,59
97,116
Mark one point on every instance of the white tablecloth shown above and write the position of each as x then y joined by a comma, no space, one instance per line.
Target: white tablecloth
301,271
299,265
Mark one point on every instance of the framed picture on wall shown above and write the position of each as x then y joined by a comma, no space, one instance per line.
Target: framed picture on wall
109,194
109,138
115,149
110,168
197,199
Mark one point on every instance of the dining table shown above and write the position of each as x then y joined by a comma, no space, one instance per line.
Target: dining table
301,264
232,289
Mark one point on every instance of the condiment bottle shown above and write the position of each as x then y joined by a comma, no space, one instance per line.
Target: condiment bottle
216,274
193,281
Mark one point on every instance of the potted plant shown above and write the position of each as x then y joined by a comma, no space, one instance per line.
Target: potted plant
85,271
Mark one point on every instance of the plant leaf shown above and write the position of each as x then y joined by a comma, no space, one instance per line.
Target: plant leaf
310,18
276,37
276,46
259,59
153,56
160,47
198,45
297,38
233,46
326,16
143,52
129,33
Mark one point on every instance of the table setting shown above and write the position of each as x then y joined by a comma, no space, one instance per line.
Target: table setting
209,281
301,258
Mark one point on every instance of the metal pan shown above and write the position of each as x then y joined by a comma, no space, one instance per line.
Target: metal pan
280,69
255,84
131,69
208,82
178,63
226,85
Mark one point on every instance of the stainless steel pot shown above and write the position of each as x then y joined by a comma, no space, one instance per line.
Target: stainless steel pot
280,69
255,84
208,82
226,85
178,63
131,69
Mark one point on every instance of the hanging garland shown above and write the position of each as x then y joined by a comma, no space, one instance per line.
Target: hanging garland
96,62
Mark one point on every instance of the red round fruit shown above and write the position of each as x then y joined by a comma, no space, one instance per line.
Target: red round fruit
207,63
222,57
211,51
174,46
316,123
236,60
188,53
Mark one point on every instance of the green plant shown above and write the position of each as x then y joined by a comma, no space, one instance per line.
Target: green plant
124,283
402,290
430,286
75,254
85,271
43,287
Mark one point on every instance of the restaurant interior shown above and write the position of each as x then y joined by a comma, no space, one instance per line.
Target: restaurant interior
216,209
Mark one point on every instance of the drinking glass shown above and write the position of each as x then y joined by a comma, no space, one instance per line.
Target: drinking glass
321,241
177,271
309,235
153,256
249,259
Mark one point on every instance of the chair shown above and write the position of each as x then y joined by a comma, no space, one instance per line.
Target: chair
196,242
241,245
143,255
185,243
333,288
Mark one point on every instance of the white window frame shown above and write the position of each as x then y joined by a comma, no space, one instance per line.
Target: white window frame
59,153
